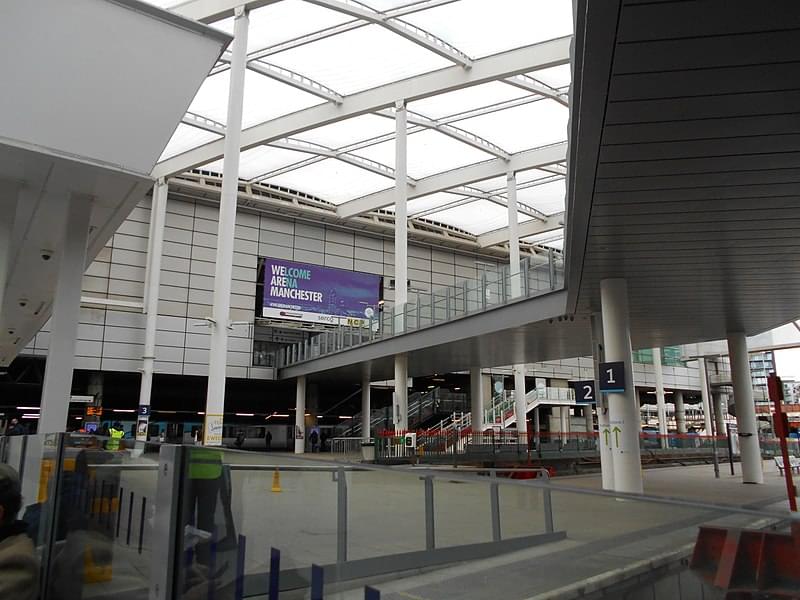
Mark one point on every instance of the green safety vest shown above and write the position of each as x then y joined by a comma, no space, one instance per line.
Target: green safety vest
205,463
116,436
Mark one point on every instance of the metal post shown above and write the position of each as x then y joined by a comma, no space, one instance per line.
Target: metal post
552,264
401,392
482,291
366,411
775,388
705,395
547,501
64,321
447,303
300,416
714,455
430,523
341,516
660,400
400,210
730,446
419,312
218,354
274,573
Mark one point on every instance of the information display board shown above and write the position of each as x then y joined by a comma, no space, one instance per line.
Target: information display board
303,292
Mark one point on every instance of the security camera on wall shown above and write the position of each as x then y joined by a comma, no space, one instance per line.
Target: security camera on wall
46,254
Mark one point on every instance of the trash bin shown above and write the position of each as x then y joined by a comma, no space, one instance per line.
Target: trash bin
368,451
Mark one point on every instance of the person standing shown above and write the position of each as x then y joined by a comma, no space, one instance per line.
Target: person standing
115,434
268,440
19,568
14,428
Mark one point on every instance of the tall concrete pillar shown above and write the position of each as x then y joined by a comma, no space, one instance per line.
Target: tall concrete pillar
476,399
624,418
520,402
537,425
719,412
401,392
300,416
750,451
604,440
64,321
680,411
705,394
587,415
563,418
661,402
366,408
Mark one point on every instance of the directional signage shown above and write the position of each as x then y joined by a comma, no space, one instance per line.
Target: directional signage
584,391
144,410
612,377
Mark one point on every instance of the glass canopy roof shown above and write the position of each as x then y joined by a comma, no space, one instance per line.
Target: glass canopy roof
305,54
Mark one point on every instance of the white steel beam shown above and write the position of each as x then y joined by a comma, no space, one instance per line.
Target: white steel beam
209,11
526,229
203,123
529,84
499,66
296,80
410,32
522,161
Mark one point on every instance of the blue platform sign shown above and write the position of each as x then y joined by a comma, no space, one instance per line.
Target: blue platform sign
584,391
144,410
612,377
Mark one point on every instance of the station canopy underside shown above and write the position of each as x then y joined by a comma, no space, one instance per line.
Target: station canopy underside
486,88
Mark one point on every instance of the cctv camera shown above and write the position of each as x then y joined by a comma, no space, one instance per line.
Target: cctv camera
10,332
46,254
23,302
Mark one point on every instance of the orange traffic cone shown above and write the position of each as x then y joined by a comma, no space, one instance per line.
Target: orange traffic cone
276,480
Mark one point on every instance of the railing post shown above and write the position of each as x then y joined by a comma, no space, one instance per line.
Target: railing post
482,291
494,494
465,286
419,312
552,265
430,523
447,303
548,504
341,520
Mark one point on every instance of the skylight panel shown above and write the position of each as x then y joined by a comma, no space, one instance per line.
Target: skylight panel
429,152
264,98
499,184
360,59
522,127
283,21
261,160
480,28
476,218
349,131
425,203
470,98
556,77
185,138
333,180
547,198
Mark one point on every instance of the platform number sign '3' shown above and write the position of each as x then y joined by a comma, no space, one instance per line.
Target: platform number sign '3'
612,377
584,391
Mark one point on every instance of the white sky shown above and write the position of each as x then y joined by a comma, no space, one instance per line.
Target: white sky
787,363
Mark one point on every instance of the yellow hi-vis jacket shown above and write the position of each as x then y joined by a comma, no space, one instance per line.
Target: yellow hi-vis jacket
205,463
116,436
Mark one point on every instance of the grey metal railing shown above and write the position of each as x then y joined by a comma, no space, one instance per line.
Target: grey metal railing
441,305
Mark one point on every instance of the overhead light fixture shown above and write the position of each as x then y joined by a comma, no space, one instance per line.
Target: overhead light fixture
28,408
123,410
245,414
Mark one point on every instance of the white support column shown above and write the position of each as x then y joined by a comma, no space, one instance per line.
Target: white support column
9,198
400,215
218,354
588,417
366,409
300,416
661,402
719,412
563,417
705,395
400,392
158,213
64,320
752,469
623,407
476,399
680,411
605,440
520,402
537,425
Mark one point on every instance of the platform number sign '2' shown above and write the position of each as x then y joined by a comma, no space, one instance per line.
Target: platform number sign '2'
584,391
612,377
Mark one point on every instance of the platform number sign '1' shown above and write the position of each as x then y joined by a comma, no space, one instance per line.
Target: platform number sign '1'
612,377
584,391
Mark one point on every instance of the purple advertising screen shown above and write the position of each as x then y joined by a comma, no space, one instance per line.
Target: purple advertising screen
303,292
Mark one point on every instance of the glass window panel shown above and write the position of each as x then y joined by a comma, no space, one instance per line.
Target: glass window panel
261,160
556,77
185,138
283,21
554,239
264,98
349,131
333,180
498,184
480,28
459,101
429,152
360,59
548,197
522,127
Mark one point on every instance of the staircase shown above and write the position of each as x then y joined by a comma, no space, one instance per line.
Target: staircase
502,413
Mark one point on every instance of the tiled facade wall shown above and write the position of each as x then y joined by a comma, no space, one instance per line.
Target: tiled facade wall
112,339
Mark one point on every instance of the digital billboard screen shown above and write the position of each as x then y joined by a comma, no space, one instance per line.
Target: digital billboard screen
302,292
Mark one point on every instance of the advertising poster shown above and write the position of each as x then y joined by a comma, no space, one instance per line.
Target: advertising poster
303,292
213,430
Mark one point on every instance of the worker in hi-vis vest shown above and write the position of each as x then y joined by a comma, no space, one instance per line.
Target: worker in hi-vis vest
204,484
116,433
